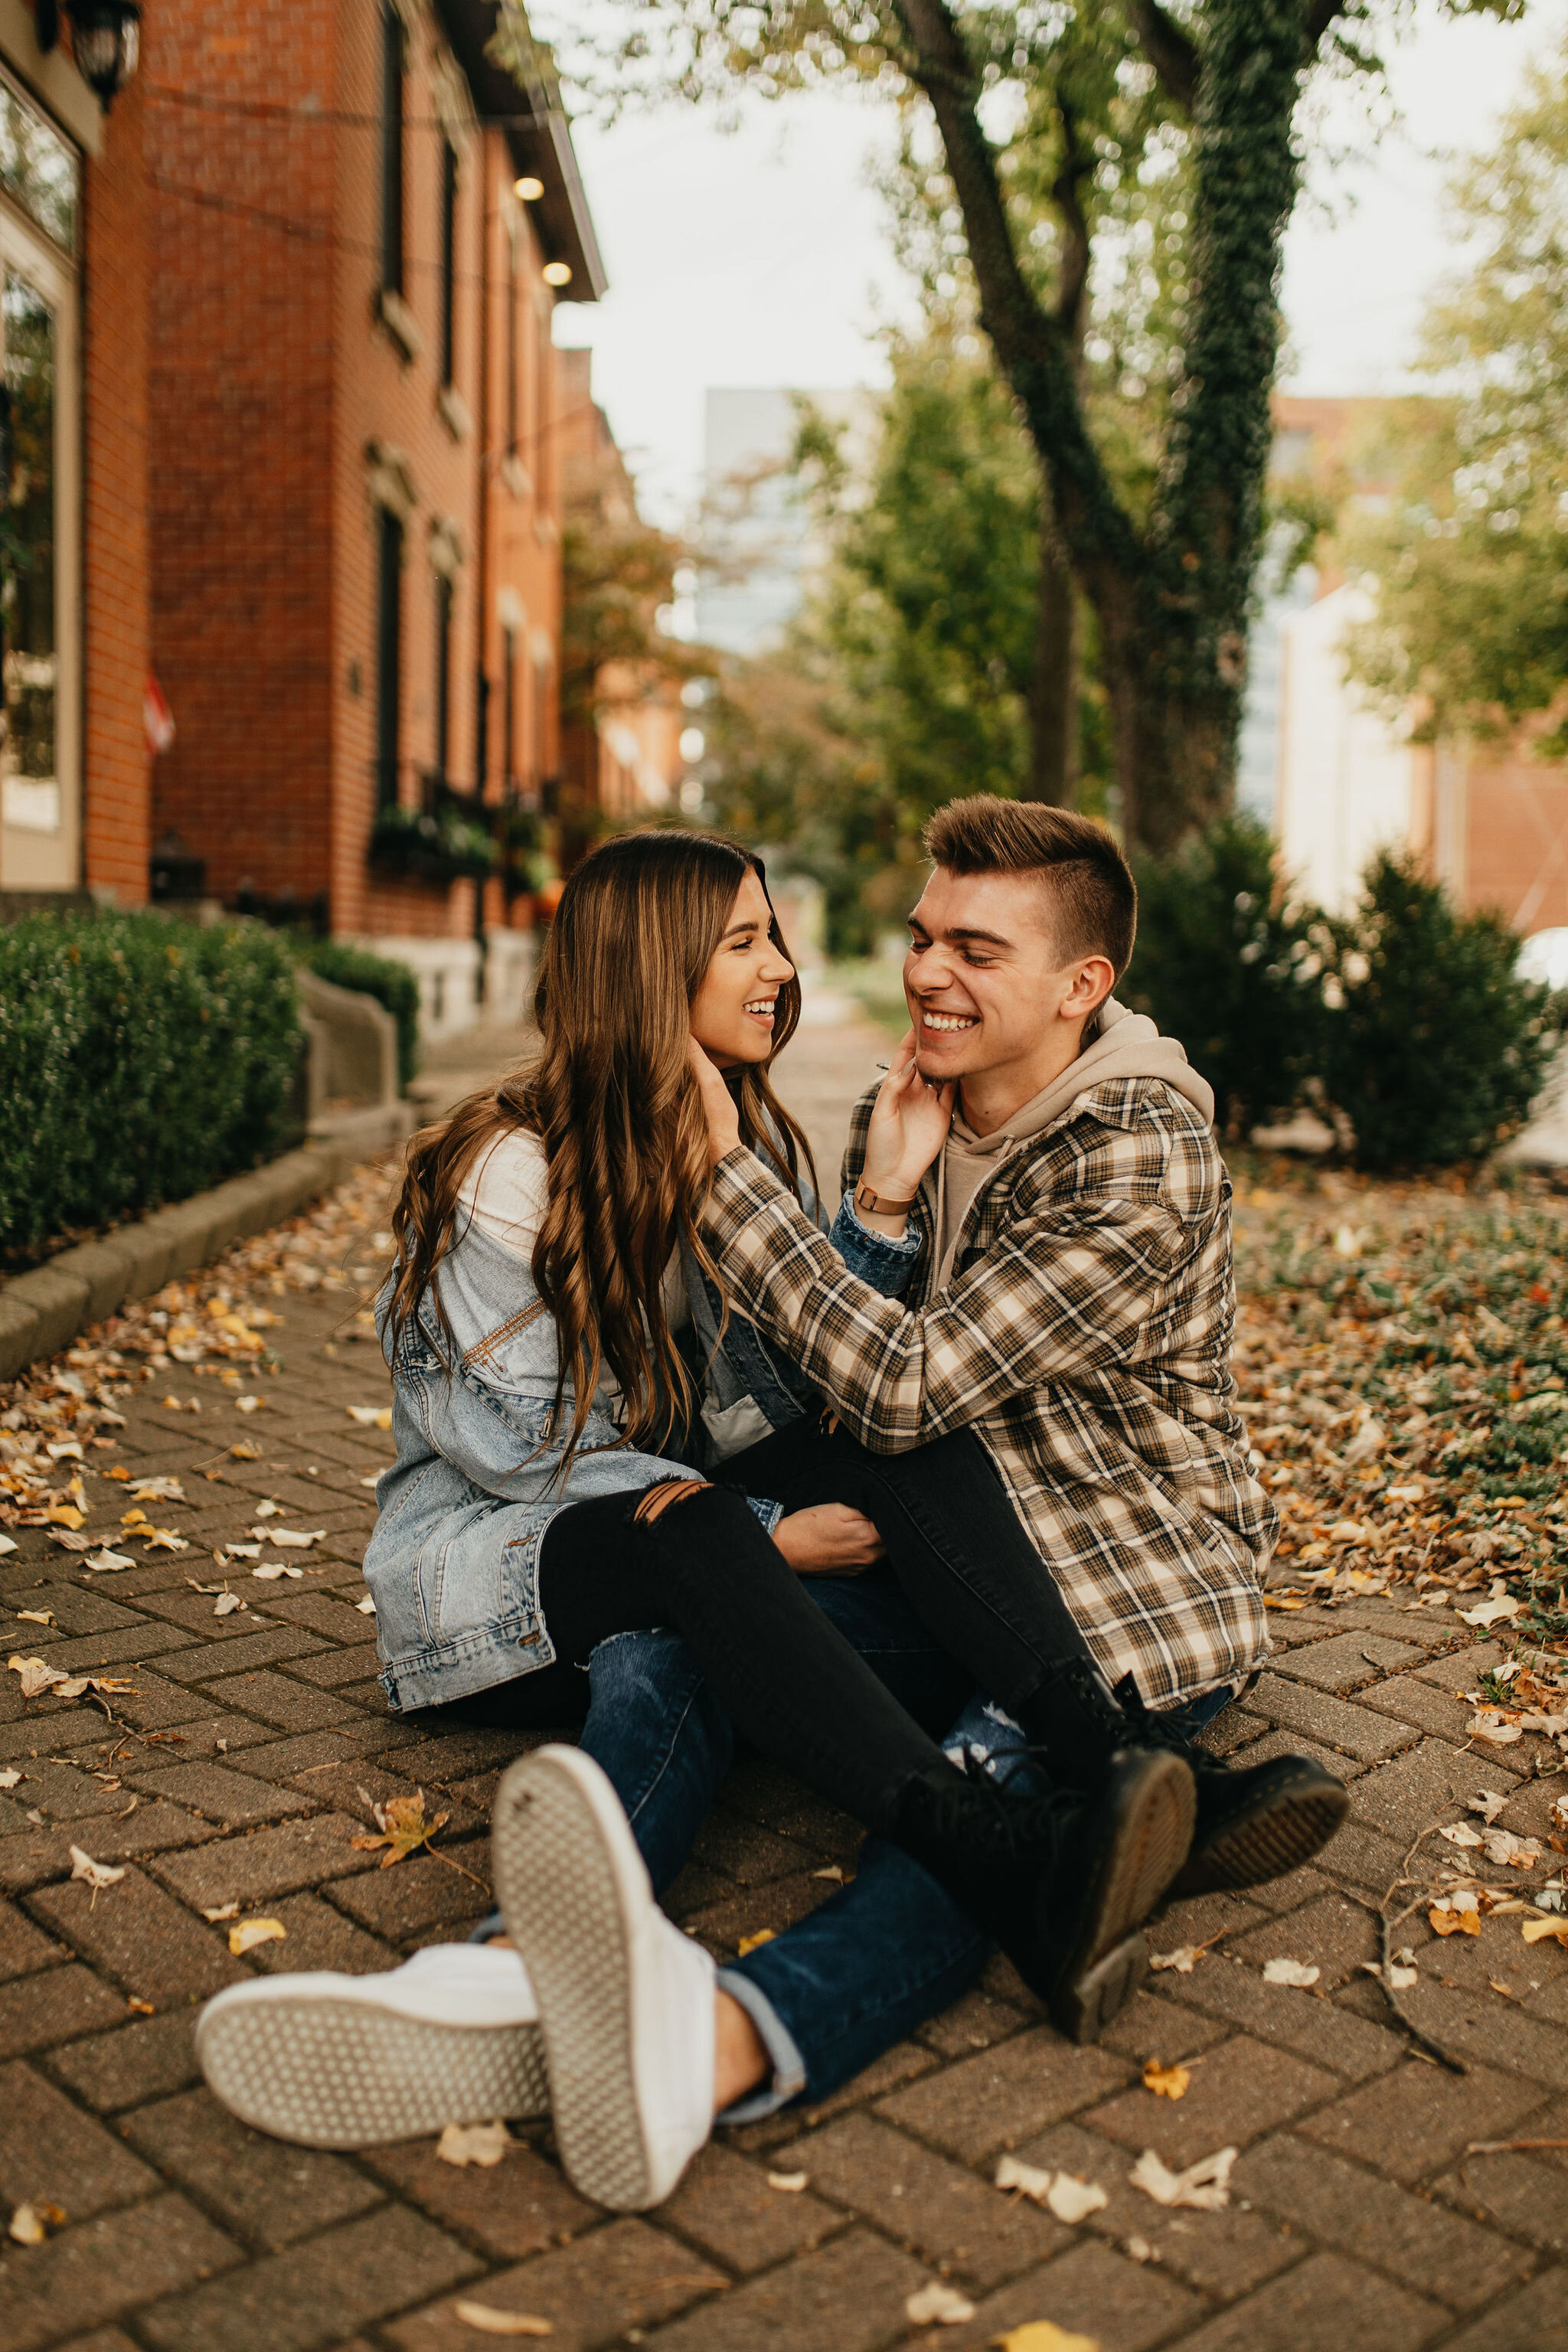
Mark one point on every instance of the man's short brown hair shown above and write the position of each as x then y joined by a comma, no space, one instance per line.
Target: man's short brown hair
1093,898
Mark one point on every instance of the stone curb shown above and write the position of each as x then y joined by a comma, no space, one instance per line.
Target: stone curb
42,1311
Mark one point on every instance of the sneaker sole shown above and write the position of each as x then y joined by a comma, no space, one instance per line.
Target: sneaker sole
1149,1843
552,1834
343,2073
1282,1827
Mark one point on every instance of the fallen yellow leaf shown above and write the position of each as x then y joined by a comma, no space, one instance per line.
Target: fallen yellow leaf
1454,1923
403,1828
754,1943
1165,2081
1044,2336
1535,1931
250,1932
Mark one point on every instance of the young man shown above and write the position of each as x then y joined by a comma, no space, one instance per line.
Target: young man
1047,1405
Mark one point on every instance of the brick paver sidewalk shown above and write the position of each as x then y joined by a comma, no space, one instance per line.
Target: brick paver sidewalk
250,1749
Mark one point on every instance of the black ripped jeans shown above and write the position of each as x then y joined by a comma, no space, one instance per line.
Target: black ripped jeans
785,1677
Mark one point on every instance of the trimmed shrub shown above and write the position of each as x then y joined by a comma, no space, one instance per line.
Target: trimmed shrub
390,983
1433,1049
1232,975
140,1061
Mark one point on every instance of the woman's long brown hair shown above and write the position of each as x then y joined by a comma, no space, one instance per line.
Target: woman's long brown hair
611,1096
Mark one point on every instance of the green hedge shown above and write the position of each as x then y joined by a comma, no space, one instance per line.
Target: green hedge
391,984
1406,1016
141,1060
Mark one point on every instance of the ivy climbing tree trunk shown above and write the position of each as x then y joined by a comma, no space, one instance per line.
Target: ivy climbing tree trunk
1170,594
1052,688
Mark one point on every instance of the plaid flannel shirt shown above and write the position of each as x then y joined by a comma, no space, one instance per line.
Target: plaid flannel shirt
1085,1338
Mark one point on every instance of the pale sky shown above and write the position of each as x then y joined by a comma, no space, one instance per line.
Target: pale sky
762,257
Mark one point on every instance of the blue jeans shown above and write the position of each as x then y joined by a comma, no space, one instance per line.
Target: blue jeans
884,1953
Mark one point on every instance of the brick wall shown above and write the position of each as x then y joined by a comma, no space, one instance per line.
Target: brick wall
241,389
272,373
115,768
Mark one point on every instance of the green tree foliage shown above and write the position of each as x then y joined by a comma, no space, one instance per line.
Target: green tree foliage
1472,562
907,678
1433,1049
144,1060
1169,577
1234,971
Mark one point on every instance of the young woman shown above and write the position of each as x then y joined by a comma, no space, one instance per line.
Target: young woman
561,1355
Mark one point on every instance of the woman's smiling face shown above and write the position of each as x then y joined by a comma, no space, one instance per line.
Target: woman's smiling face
734,1011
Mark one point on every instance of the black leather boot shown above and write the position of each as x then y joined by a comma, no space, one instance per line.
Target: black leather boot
1064,1881
1253,1823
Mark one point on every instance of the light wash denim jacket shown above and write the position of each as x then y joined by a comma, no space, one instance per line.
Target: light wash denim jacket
453,1564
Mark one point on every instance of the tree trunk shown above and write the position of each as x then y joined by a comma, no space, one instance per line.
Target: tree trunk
1173,735
1171,598
1053,687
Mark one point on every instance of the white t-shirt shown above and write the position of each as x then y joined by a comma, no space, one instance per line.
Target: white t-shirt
506,1193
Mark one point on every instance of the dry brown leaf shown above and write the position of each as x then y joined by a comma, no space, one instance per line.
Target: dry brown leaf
1291,1972
1445,1921
1165,2081
97,1874
938,2305
30,2223
251,1932
1204,2186
490,2321
1067,2197
34,1676
403,1826
473,2143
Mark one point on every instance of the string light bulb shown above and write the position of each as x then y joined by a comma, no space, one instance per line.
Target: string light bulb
527,190
558,273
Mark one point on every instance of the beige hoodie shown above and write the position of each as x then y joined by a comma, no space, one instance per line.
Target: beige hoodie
1116,1045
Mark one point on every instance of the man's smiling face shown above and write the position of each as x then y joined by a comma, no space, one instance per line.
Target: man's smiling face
986,990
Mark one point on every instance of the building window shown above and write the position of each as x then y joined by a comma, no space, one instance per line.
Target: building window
443,677
391,151
38,169
389,658
40,429
448,245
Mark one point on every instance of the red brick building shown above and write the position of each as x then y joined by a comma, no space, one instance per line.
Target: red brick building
74,770
363,223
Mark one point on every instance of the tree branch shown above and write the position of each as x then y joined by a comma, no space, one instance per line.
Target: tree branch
1066,194
1035,354
1172,52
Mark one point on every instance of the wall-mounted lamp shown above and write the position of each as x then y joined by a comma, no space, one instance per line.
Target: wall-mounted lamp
558,273
106,40
527,190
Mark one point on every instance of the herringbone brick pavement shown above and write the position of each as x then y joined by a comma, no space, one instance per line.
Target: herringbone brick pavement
229,1759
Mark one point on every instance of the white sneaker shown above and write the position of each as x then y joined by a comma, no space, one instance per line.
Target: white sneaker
625,2001
450,2037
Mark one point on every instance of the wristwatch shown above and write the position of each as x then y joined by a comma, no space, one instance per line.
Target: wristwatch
877,1204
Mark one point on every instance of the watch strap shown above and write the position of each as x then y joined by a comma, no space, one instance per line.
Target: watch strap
877,1204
